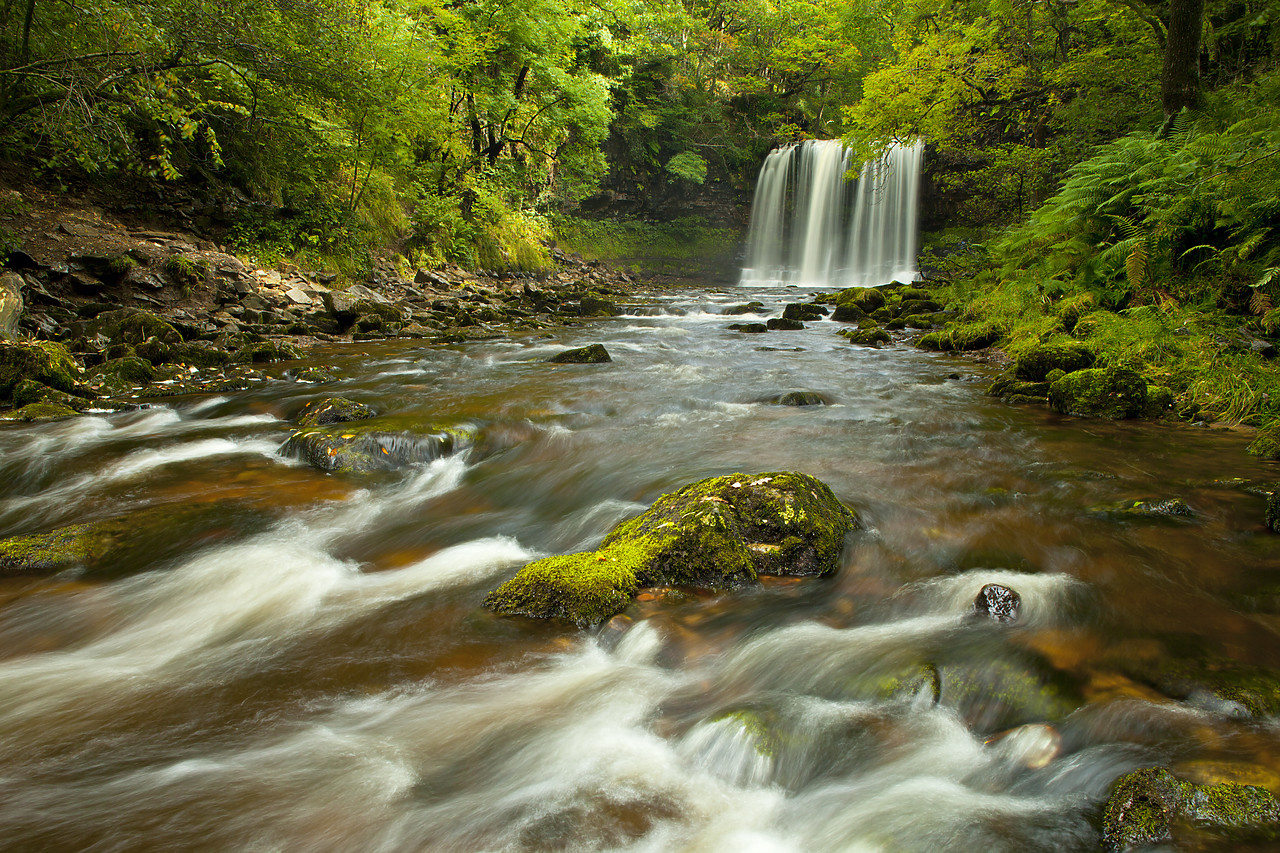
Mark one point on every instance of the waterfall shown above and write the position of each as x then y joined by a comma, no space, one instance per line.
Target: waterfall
811,226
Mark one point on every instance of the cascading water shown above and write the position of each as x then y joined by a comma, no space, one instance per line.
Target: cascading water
811,226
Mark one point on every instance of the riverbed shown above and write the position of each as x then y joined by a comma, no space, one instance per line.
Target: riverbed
300,661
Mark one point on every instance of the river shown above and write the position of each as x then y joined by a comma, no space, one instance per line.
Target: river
301,662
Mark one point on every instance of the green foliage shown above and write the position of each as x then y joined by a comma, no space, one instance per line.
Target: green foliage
674,246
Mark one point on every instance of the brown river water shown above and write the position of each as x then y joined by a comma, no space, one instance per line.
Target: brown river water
300,661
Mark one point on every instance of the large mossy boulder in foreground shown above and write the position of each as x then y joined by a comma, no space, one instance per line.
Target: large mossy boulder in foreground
1146,805
718,533
1100,392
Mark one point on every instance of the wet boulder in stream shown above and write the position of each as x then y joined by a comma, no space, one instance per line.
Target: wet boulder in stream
719,533
593,354
376,444
1147,806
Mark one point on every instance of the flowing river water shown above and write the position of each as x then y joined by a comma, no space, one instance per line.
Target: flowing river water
301,662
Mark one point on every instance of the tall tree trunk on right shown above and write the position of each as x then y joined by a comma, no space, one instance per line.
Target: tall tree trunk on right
1180,78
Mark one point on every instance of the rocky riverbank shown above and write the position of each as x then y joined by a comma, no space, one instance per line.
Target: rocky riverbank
107,309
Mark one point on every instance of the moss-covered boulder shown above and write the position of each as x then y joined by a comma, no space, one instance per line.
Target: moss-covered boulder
1272,517
744,308
375,444
748,328
867,336
783,324
1100,392
29,391
1150,508
333,410
43,412
1159,400
962,337
854,303
797,398
1219,683
1011,389
593,354
803,311
719,533
1146,806
594,305
46,362
1035,363
133,326
121,375
264,352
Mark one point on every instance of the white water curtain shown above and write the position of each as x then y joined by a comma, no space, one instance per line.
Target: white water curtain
810,226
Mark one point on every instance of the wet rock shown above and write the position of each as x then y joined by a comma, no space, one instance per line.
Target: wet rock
264,352
121,375
133,326
1146,806
43,412
998,603
1273,512
962,337
783,324
996,692
593,305
1011,389
804,311
1159,400
1034,364
593,354
46,362
854,303
1216,684
375,444
11,284
1170,508
1102,392
871,335
744,308
797,398
748,328
29,391
718,533
333,410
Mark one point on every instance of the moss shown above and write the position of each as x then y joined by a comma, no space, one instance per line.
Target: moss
593,354
1007,386
185,271
46,362
1254,690
1035,362
776,324
748,328
873,336
595,305
803,311
1159,400
333,410
1111,392
584,588
761,724
264,352
1273,512
44,412
1166,508
718,533
963,337
131,326
375,444
120,266
29,391
121,375
49,552
1146,805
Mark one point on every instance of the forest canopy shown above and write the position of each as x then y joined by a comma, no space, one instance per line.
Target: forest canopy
463,130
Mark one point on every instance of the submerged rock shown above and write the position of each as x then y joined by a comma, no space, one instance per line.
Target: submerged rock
1173,508
1146,805
718,533
593,354
797,398
998,603
375,444
333,410
1102,392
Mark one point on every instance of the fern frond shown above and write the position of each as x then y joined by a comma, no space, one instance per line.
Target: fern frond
1259,302
1135,266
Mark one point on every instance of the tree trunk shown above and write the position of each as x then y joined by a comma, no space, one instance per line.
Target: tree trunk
1180,78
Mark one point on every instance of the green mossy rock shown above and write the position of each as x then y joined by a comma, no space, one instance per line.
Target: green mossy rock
869,337
43,412
333,410
1166,508
1273,512
1146,805
1240,689
593,305
797,398
748,328
29,391
121,375
593,354
719,533
375,444
44,553
264,352
1100,392
1009,388
1034,364
1159,400
133,326
853,303
783,324
744,308
803,311
46,362
962,337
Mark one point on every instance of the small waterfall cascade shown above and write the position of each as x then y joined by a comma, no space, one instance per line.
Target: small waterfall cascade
812,226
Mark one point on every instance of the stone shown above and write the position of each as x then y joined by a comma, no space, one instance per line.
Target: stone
784,324
744,308
592,354
11,284
1146,806
375,444
797,398
592,305
1102,392
872,336
1273,512
998,603
46,362
264,352
333,410
854,303
804,311
1035,363
298,296
748,328
719,533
